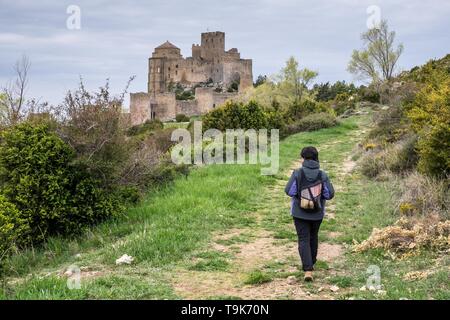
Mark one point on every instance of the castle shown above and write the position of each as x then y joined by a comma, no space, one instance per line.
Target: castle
192,85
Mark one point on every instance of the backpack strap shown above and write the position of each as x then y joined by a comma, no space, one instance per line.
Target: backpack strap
319,176
300,179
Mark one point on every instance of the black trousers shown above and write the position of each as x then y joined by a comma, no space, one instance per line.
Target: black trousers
308,241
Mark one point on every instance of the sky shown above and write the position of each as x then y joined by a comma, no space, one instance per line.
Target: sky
114,39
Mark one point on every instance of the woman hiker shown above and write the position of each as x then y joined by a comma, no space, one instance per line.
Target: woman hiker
309,187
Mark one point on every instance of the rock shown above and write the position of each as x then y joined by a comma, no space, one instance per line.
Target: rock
78,256
334,288
363,288
381,292
125,259
68,273
320,289
291,280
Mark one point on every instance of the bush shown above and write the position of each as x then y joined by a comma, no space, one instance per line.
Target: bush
129,194
181,118
391,125
236,115
371,164
369,94
424,196
403,156
147,126
344,102
311,122
12,226
397,158
430,117
92,126
51,193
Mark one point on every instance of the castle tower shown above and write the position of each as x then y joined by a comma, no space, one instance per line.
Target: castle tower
212,45
157,73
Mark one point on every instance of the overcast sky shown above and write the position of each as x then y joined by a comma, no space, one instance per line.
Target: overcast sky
117,37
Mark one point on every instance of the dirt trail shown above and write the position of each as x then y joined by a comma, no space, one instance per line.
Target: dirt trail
260,250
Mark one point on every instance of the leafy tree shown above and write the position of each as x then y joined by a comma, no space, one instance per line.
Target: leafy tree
293,81
378,60
12,102
260,80
327,92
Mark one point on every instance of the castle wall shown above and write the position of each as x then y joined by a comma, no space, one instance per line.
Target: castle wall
188,107
164,106
208,99
139,107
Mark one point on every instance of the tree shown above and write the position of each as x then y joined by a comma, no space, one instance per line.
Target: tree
295,80
260,80
13,100
378,60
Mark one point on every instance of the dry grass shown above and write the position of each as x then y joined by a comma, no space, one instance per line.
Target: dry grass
406,237
423,196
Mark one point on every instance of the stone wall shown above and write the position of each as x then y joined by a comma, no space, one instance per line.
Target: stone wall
139,107
164,106
208,99
188,107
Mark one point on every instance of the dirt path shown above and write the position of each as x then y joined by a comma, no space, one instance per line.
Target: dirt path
259,249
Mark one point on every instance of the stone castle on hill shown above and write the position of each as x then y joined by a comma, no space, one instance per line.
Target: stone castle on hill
192,85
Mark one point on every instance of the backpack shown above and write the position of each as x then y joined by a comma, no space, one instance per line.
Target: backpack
309,193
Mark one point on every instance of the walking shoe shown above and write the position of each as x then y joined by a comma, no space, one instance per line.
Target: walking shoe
308,276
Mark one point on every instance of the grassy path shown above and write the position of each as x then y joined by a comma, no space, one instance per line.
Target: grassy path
224,232
260,261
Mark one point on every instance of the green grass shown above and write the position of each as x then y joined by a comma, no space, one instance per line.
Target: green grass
173,227
257,277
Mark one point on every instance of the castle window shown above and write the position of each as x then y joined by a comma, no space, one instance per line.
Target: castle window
176,72
168,69
159,70
176,66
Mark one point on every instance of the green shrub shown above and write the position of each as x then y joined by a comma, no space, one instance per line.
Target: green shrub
430,117
12,225
129,194
236,115
311,122
403,156
371,164
147,126
369,94
52,194
399,158
344,102
181,118
257,278
423,195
